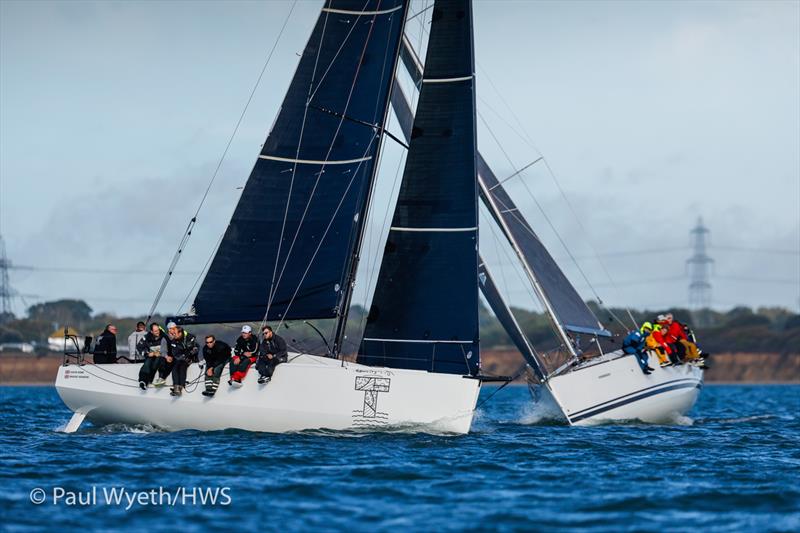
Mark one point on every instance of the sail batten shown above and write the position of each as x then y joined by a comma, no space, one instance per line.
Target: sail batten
424,313
287,251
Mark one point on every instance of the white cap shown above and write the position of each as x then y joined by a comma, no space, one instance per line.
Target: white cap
172,325
246,329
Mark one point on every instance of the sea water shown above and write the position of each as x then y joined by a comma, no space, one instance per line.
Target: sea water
732,465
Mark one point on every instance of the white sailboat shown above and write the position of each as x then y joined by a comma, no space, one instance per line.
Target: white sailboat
607,388
292,247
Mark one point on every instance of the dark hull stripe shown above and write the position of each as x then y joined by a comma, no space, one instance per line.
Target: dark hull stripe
593,411
637,392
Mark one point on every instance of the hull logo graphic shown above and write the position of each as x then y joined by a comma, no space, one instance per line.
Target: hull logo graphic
369,415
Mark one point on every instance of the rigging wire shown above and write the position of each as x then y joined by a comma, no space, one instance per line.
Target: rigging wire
372,191
188,232
377,257
311,92
516,215
527,138
316,183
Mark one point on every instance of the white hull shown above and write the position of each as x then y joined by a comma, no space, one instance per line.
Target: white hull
308,392
613,388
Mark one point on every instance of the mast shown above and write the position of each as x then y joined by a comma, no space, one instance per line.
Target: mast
363,216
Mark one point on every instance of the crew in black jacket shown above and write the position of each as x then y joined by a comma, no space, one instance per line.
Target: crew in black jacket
154,347
217,354
271,353
183,351
105,350
244,355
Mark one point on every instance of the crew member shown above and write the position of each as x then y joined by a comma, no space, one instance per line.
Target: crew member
676,337
217,354
656,342
154,347
134,338
105,350
634,344
271,353
183,350
244,355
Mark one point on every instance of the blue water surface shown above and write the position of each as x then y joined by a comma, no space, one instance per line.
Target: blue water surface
733,466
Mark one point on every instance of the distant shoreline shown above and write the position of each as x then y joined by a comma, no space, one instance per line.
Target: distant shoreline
18,369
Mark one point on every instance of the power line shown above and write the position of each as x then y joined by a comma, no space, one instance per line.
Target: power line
755,250
82,270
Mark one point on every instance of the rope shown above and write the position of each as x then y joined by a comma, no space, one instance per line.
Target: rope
190,226
503,386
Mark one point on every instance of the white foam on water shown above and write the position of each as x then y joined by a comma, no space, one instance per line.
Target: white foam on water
542,409
682,420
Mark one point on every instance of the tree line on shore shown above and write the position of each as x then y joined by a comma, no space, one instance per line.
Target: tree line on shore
741,329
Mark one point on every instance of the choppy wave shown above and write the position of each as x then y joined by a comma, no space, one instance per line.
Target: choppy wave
731,465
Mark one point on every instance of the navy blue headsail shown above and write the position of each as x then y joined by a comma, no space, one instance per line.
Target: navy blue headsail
424,313
288,251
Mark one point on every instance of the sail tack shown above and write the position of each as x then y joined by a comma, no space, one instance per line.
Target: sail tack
424,313
288,247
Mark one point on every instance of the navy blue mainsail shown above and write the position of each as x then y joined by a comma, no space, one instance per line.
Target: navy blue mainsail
288,250
424,313
569,309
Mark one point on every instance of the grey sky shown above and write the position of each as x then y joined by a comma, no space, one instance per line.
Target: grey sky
113,115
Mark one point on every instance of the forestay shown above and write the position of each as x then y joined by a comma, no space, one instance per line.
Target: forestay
287,251
424,313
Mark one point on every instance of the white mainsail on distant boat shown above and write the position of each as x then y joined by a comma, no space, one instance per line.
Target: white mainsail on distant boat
610,387
292,248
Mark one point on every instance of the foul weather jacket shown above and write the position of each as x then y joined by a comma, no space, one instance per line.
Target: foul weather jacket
105,350
246,345
675,332
634,341
218,355
275,346
184,347
133,343
150,343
